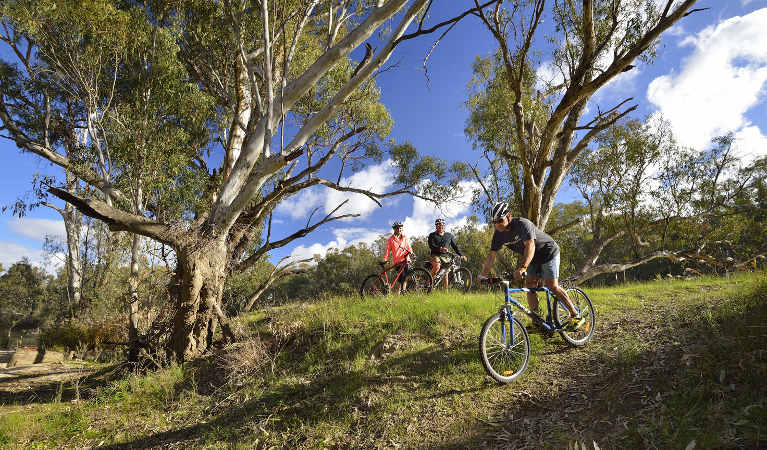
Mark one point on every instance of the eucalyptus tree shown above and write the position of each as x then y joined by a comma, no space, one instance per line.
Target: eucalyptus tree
109,104
543,101
21,294
645,197
278,99
621,181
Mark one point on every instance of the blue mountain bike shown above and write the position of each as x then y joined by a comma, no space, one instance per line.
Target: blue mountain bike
504,345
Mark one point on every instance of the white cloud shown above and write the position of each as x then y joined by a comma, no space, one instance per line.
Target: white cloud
548,75
421,221
301,205
344,237
749,144
378,178
718,84
677,30
38,228
11,253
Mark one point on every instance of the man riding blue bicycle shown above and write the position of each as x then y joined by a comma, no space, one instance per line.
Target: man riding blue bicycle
539,260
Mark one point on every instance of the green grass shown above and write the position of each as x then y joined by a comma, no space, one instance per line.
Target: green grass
671,361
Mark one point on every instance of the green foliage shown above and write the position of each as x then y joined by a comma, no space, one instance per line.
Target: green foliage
491,127
22,292
81,334
340,272
158,390
241,286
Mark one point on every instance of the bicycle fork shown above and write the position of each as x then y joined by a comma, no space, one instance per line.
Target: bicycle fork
507,314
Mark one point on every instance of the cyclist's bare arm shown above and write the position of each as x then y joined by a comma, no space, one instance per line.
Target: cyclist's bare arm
489,260
527,256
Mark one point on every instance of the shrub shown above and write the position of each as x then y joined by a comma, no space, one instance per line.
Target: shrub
84,336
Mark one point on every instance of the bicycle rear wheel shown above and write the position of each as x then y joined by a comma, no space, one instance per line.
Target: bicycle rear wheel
373,287
581,301
504,348
461,280
418,282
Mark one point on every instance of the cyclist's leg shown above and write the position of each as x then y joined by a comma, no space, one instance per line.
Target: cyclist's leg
402,278
434,265
445,263
531,282
396,279
550,275
553,285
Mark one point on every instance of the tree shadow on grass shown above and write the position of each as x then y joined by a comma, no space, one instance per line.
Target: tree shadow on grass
57,391
333,398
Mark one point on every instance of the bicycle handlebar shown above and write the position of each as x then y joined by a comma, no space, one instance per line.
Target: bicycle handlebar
407,253
506,277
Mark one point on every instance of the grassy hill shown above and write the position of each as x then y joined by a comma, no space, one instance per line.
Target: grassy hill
671,362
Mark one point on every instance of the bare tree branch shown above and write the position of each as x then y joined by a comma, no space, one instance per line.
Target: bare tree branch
277,273
244,265
481,183
593,271
116,219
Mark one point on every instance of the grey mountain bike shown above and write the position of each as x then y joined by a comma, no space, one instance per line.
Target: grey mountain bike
459,278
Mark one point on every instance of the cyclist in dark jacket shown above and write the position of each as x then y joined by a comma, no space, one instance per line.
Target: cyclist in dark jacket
439,241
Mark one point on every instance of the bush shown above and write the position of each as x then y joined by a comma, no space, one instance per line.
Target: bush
85,336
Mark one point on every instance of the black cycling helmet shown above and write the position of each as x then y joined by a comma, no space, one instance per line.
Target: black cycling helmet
439,222
397,224
500,210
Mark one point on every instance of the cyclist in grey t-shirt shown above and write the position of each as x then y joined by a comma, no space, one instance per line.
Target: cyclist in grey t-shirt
539,260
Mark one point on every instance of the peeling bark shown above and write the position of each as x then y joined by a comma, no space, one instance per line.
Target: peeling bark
201,275
133,301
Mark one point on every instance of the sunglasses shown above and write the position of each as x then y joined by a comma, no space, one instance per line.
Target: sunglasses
497,220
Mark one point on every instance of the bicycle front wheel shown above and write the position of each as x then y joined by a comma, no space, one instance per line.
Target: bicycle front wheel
373,287
461,280
418,282
580,336
504,348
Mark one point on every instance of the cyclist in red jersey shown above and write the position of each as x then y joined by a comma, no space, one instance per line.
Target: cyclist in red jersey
399,248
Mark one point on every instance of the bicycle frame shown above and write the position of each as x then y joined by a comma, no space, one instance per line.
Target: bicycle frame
385,277
445,271
507,312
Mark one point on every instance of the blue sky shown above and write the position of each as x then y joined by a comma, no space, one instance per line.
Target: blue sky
709,78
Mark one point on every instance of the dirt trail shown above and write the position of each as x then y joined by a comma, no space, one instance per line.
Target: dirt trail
30,383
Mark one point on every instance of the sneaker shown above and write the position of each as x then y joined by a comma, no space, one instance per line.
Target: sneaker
573,323
533,328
